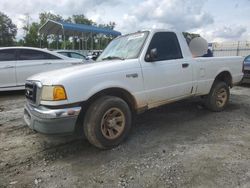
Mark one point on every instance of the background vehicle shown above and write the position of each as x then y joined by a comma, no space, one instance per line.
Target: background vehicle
94,54
246,69
74,54
136,72
18,63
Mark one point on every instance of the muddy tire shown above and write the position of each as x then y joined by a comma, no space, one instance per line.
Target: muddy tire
218,97
107,122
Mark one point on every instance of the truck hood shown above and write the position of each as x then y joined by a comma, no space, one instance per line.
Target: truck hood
78,71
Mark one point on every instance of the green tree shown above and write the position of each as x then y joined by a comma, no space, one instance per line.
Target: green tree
110,25
20,42
8,31
44,16
69,20
26,22
81,19
32,38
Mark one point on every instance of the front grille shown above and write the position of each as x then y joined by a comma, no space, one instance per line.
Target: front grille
30,91
246,71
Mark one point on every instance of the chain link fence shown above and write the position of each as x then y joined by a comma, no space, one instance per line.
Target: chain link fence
239,48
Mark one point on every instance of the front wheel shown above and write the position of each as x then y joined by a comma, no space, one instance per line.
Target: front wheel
107,122
218,97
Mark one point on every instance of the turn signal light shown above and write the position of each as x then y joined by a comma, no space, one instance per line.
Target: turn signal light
59,93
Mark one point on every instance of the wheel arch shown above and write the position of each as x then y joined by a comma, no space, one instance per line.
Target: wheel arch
116,92
226,77
112,91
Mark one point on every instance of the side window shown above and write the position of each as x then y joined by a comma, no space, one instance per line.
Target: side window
50,56
78,56
167,46
64,53
8,55
27,54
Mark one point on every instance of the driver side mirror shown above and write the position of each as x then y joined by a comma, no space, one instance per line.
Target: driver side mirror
152,55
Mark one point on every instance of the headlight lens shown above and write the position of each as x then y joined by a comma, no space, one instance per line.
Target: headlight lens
53,93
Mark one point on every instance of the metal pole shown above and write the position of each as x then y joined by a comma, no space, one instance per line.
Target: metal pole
57,38
99,41
100,45
86,42
92,46
237,52
64,46
40,41
79,46
48,44
82,43
64,42
47,41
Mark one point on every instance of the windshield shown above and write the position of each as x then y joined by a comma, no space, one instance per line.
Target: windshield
124,47
247,59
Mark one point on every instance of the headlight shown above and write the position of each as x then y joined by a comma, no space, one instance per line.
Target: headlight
53,93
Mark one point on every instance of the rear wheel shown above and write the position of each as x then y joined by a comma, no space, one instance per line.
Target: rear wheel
218,97
107,122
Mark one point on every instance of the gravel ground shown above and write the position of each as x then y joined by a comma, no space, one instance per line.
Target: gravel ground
178,145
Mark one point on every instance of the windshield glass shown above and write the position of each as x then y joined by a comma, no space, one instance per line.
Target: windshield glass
247,59
124,47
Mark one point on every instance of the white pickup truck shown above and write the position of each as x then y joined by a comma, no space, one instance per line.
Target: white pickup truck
136,72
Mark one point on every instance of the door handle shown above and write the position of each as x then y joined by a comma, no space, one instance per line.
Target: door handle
133,75
47,63
76,63
8,67
185,65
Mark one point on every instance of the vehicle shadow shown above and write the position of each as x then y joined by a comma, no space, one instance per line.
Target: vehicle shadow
245,85
12,93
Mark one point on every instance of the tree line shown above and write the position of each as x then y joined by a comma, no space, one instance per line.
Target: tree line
8,32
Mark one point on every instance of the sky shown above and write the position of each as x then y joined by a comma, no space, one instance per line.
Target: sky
215,20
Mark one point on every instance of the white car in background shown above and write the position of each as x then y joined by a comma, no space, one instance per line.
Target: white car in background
74,54
19,63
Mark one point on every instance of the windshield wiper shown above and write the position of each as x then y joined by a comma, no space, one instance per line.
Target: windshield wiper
112,57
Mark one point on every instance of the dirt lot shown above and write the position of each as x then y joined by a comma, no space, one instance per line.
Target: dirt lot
178,145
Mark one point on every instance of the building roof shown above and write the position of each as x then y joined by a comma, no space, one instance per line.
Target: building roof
71,29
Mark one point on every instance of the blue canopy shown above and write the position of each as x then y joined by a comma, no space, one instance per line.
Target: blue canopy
71,29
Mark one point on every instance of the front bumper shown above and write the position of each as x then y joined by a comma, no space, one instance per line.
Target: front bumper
246,77
51,121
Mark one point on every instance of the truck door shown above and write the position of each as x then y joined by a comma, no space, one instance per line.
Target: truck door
168,76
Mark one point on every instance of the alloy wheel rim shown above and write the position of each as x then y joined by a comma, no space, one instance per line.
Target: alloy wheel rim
113,123
221,97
